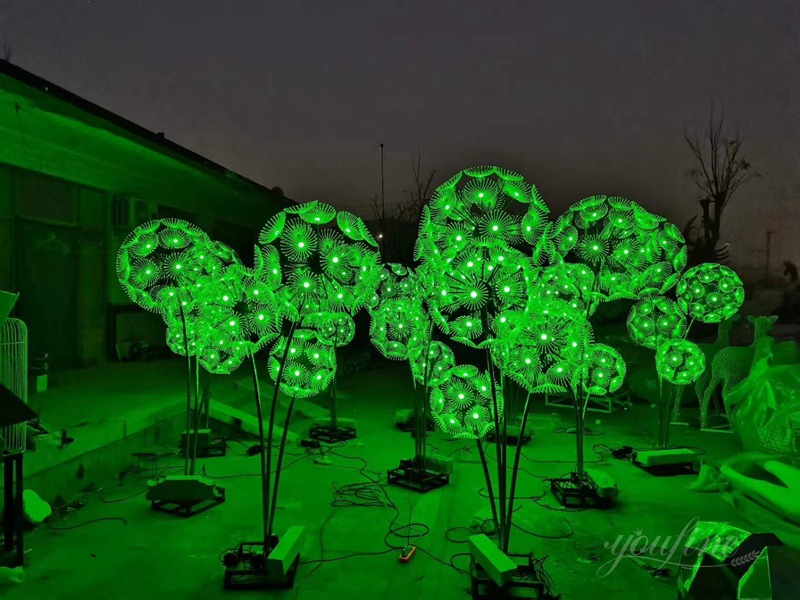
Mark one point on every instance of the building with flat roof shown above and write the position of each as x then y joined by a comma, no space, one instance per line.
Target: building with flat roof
74,180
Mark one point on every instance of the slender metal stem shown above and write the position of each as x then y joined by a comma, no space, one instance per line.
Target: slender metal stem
333,384
264,472
195,417
504,440
664,415
271,424
674,400
281,450
489,489
206,399
188,393
515,470
579,401
501,467
421,420
579,425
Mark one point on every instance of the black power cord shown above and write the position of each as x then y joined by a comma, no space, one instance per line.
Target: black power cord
372,494
84,524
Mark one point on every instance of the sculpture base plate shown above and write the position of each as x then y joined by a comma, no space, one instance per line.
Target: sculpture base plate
248,568
184,495
410,476
524,583
575,491
332,435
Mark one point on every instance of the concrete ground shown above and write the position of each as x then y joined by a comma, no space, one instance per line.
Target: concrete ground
111,545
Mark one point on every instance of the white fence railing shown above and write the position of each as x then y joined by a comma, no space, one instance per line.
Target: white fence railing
14,375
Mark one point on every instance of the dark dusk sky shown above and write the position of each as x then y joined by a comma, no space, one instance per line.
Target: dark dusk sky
581,97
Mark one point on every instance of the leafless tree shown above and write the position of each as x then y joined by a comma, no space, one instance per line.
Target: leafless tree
420,194
719,172
399,226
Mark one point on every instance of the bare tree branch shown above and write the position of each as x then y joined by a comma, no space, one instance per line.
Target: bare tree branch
720,172
419,195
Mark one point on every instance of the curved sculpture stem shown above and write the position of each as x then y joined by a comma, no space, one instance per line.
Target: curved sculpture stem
264,472
515,470
489,489
195,418
188,392
271,428
579,425
421,417
333,384
501,467
281,450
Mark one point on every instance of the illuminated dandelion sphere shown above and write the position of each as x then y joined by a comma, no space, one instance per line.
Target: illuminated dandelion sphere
603,370
653,320
325,267
335,329
462,404
710,293
398,324
632,252
197,285
542,347
309,368
431,363
475,245
161,261
218,332
680,361
567,282
325,260
521,363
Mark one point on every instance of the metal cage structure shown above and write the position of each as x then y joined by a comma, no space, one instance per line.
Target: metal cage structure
14,375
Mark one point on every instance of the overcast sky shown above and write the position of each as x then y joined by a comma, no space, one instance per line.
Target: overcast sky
581,97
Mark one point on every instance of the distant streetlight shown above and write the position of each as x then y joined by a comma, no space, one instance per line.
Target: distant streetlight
380,236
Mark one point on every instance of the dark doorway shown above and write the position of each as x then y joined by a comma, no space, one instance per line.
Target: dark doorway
47,281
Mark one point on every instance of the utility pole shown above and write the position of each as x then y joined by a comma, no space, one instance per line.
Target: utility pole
769,252
383,194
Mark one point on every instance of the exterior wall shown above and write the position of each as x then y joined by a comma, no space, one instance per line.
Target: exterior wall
62,164
92,275
6,229
51,260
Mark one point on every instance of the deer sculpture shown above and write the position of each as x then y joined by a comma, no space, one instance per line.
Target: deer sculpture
732,364
710,351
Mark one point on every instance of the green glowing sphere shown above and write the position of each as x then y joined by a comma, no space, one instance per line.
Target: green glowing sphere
570,283
324,261
631,252
653,320
462,404
198,286
398,323
160,262
710,293
309,368
434,367
541,347
335,329
475,250
324,267
603,370
680,361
